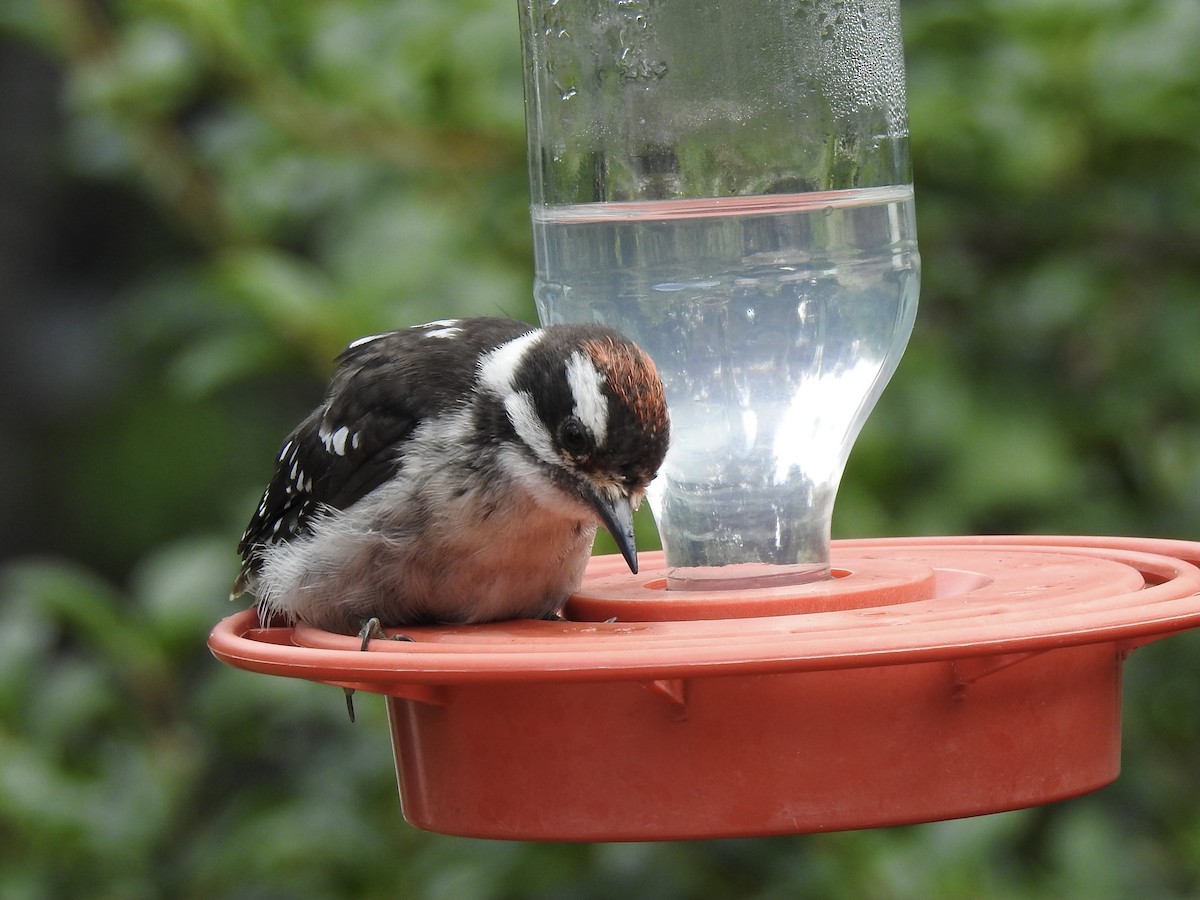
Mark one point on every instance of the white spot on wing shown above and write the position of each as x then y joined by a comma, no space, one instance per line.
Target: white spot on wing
338,440
586,387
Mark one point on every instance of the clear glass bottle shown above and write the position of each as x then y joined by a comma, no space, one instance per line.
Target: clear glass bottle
729,184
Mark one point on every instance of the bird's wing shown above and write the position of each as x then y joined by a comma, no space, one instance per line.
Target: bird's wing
384,387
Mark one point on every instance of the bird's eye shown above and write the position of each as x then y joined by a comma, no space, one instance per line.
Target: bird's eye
574,437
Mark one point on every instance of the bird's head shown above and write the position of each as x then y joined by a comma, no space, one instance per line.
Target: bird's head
589,416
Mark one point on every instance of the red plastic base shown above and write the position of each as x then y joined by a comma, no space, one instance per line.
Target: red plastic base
935,678
754,755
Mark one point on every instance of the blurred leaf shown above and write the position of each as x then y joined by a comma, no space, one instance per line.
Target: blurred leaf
182,587
90,611
273,179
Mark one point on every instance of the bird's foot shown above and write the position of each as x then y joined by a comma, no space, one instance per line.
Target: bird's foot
372,629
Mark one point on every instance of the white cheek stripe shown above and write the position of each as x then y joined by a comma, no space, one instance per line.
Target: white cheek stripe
528,426
497,372
590,406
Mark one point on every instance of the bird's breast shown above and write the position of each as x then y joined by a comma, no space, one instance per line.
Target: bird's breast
462,556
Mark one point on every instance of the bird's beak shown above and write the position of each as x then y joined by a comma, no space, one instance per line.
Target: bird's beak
616,512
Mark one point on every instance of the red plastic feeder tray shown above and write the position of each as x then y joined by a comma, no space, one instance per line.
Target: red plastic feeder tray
931,678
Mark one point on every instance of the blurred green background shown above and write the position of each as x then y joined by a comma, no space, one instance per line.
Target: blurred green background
202,200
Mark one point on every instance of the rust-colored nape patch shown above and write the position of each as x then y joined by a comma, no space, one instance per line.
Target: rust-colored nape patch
633,380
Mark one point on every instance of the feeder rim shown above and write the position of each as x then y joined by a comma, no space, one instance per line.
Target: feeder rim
1166,601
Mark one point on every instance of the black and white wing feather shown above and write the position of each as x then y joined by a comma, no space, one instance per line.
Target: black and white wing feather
385,386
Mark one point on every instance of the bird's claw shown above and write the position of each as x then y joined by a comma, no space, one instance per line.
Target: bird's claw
372,629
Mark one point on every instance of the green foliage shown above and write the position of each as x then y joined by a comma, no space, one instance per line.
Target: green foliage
286,176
